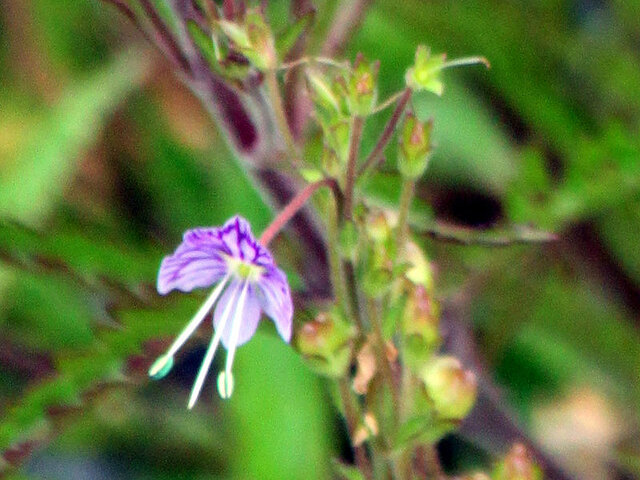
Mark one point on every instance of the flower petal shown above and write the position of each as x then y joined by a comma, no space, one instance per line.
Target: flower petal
240,243
197,262
275,299
250,314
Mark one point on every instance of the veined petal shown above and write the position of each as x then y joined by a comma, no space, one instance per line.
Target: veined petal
275,299
197,262
250,314
240,243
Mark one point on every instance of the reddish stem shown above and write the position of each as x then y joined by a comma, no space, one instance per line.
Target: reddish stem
294,207
376,153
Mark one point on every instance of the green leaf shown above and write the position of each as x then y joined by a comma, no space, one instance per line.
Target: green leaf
30,188
347,472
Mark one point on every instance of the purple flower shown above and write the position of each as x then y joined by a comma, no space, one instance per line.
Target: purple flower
247,282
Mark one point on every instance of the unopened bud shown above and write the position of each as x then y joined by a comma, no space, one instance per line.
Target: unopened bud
420,271
517,465
253,39
362,88
377,227
420,327
325,343
322,92
161,367
451,388
414,146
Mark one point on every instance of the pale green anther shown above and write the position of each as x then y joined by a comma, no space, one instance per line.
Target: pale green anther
225,384
161,367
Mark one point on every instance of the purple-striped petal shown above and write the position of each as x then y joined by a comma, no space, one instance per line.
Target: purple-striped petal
275,299
250,314
196,263
240,243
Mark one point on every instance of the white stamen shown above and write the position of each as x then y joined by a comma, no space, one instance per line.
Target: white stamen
235,330
213,346
225,384
197,319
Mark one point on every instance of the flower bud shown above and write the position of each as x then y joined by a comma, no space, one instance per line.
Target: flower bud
362,89
322,92
517,465
253,39
420,271
414,146
425,73
452,389
420,328
377,227
325,343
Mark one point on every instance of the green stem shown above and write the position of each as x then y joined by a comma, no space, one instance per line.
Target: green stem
335,265
402,230
354,151
352,293
387,372
352,416
273,90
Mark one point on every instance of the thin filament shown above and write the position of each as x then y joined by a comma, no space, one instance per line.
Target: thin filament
213,346
235,328
197,318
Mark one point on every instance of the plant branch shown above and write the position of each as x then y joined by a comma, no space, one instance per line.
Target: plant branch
165,37
354,151
352,416
347,20
295,205
518,235
281,117
378,150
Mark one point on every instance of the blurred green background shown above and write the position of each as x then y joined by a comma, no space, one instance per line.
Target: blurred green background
105,158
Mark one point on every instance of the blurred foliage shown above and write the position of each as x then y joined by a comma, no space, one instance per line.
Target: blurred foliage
110,159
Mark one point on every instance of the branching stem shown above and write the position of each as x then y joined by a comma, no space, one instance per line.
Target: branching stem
294,206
